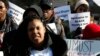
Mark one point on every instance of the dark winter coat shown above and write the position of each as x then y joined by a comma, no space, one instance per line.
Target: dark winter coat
17,46
59,26
7,26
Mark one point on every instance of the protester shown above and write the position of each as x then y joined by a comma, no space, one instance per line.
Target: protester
6,23
83,6
33,39
91,32
15,45
10,37
48,12
80,7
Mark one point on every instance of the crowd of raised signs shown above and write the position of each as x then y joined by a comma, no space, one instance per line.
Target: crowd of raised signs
44,28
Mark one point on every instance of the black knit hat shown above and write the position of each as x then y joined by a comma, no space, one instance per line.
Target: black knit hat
46,4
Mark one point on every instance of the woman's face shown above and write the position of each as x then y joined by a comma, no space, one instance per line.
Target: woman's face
82,8
36,31
3,10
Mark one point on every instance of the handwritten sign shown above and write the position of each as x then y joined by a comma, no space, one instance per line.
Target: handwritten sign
83,47
16,13
78,20
62,12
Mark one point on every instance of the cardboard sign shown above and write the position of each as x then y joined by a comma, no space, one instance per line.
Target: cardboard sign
78,20
16,13
62,12
53,27
83,47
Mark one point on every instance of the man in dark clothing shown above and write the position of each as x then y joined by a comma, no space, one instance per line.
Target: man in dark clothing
49,17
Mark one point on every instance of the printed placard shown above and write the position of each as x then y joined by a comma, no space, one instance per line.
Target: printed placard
62,12
78,20
16,13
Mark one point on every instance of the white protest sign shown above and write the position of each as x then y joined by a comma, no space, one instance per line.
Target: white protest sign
62,12
16,13
97,2
83,47
78,20
53,27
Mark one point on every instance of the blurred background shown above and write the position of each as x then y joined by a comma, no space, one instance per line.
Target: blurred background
94,8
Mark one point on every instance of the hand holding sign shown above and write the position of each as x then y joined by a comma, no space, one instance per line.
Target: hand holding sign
78,20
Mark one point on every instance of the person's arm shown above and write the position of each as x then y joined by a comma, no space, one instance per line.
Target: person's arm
59,44
60,28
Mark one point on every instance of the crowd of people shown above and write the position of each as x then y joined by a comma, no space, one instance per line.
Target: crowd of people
34,37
